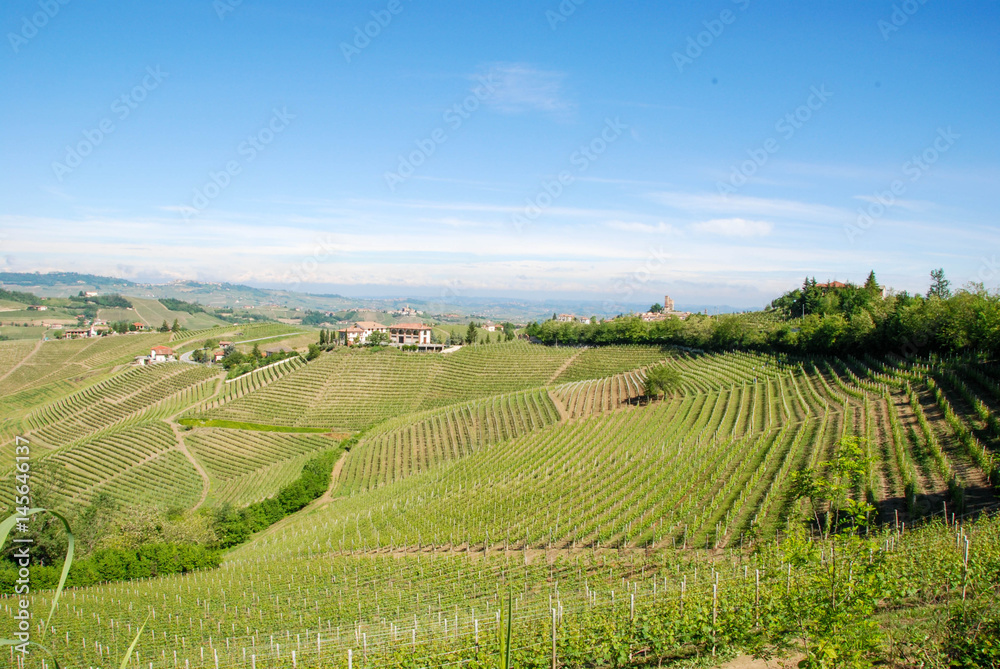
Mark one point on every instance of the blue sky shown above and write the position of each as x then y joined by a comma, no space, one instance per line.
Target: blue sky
717,151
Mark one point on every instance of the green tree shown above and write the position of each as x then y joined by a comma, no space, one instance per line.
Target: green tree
255,353
657,308
940,286
377,338
839,592
661,379
471,334
871,284
176,327
164,327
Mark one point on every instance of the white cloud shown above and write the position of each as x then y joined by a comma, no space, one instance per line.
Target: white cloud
916,206
739,205
734,227
523,88
631,226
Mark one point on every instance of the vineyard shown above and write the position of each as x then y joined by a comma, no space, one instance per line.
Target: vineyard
354,389
543,472
249,466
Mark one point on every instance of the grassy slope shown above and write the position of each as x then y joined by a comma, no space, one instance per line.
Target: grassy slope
152,313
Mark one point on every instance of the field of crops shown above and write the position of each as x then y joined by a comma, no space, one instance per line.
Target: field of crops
138,393
268,332
247,466
52,367
153,313
404,446
135,465
353,389
543,471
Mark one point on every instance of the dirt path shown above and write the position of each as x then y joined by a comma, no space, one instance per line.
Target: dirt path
747,662
560,407
334,476
10,371
562,367
315,504
182,447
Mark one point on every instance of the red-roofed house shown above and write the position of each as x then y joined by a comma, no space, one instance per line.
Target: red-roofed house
162,354
832,284
350,336
358,333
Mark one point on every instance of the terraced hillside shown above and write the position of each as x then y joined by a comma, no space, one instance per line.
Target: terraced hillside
138,393
414,443
247,466
52,369
153,313
575,495
136,465
352,389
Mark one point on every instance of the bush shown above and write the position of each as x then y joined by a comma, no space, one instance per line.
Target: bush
973,638
233,526
116,564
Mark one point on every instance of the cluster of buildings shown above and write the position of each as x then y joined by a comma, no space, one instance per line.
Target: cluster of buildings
97,328
406,311
400,334
570,318
668,312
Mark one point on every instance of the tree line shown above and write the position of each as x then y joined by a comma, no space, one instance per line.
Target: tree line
817,318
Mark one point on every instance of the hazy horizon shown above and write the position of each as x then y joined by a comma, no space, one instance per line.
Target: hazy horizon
718,152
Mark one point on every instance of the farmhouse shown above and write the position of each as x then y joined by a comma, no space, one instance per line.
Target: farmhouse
410,333
565,318
350,336
162,354
358,333
276,349
218,355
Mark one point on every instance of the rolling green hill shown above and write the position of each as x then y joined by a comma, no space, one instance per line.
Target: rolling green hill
541,471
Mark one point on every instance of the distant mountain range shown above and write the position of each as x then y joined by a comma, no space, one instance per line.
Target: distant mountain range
61,284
